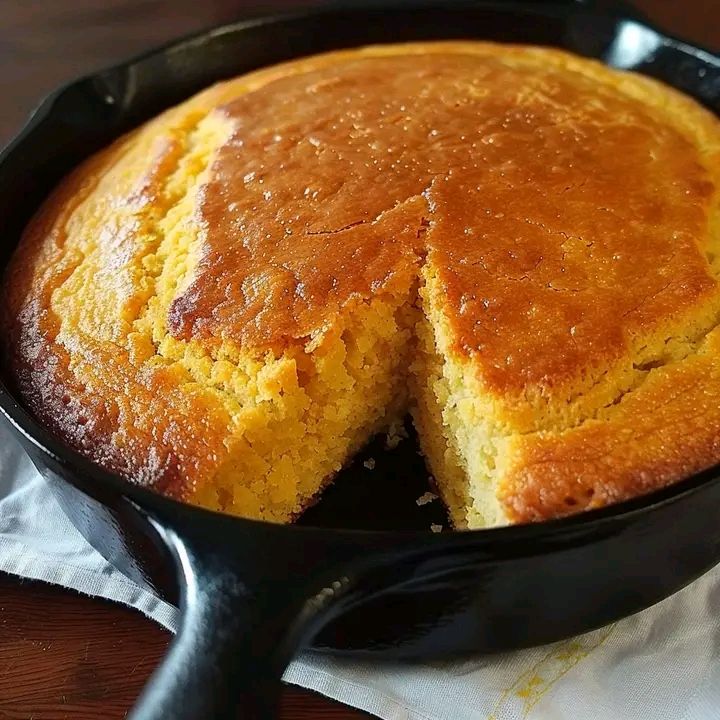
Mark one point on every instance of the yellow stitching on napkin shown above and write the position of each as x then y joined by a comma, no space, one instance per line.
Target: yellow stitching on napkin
538,680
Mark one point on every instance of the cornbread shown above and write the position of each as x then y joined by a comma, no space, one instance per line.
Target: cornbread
517,245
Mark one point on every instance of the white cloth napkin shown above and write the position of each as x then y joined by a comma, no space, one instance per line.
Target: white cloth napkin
661,664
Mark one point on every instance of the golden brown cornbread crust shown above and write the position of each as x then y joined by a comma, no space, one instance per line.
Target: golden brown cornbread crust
549,226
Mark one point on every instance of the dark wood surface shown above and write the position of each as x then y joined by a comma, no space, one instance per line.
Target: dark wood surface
63,655
66,656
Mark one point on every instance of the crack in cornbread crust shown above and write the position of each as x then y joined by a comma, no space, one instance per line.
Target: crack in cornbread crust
212,390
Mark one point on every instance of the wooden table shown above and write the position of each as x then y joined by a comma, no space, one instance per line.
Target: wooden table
62,655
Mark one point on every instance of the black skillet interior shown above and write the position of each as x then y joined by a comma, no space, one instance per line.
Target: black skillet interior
452,594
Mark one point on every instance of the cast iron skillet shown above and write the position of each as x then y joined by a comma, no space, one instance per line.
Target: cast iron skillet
253,593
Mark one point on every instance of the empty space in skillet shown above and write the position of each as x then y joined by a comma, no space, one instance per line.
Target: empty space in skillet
380,490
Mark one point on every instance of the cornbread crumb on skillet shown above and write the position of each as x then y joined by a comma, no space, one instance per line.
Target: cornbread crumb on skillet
517,245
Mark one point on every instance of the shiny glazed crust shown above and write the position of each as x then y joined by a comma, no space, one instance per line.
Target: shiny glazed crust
568,308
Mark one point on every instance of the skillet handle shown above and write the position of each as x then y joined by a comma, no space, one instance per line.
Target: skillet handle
253,594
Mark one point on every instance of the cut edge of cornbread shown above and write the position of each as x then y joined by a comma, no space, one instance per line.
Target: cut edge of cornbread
457,435
315,413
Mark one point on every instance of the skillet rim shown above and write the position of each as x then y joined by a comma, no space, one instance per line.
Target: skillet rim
77,469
